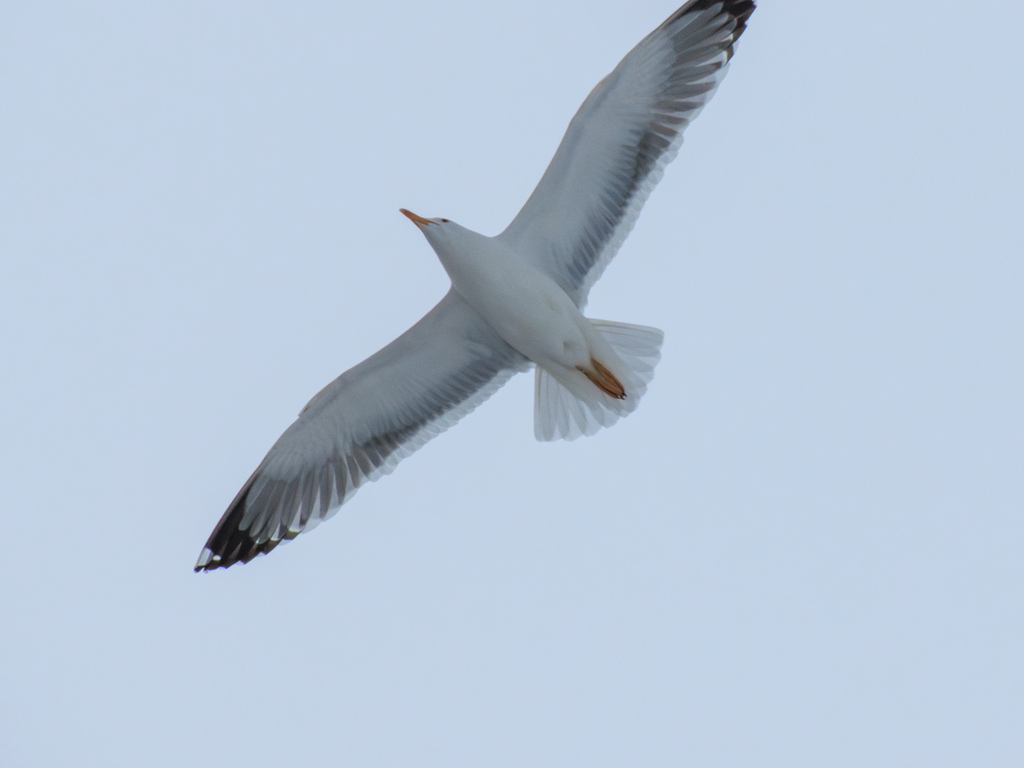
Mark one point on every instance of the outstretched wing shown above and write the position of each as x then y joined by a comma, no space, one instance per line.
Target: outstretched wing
361,425
618,144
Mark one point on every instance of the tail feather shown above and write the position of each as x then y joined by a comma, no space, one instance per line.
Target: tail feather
564,414
604,379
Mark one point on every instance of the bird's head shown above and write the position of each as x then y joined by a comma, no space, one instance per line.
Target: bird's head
421,222
437,231
454,244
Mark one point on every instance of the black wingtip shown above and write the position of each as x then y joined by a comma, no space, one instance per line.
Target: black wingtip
739,10
229,544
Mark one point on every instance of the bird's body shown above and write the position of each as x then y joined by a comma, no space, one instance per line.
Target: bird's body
525,306
528,309
516,300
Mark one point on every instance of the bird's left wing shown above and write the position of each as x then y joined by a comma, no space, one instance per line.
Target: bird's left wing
361,425
618,144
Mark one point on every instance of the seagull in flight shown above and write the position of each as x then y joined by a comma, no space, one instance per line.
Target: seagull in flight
515,301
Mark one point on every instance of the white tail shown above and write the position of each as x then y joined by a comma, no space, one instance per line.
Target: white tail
560,414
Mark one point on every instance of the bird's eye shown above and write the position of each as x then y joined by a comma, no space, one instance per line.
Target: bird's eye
444,221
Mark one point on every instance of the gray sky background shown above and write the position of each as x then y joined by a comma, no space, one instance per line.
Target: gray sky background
804,549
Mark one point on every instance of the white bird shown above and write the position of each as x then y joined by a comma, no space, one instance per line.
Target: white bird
515,301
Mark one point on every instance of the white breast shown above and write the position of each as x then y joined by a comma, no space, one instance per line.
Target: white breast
526,307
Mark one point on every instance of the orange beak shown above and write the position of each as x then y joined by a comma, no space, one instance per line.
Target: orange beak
415,219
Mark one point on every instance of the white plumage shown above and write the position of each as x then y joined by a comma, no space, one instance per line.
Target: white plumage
516,300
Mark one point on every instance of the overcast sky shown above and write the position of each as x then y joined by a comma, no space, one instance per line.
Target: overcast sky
804,549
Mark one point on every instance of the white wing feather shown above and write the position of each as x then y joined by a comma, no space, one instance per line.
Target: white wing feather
361,425
619,142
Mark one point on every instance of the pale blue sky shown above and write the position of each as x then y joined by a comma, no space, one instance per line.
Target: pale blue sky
804,549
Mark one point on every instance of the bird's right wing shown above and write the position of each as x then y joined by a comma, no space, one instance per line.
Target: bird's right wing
361,425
